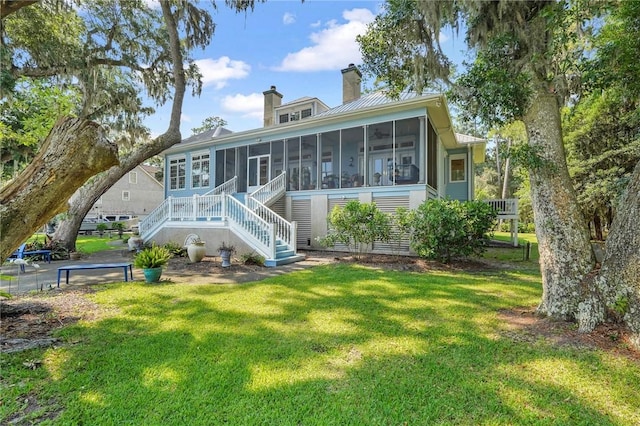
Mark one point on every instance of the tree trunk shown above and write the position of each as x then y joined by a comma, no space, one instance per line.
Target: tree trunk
86,196
505,184
618,283
74,150
563,238
597,227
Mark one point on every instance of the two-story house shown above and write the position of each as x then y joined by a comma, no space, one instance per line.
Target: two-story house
270,189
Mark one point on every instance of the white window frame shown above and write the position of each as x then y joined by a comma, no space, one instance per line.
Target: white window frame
455,157
197,158
174,180
133,178
126,195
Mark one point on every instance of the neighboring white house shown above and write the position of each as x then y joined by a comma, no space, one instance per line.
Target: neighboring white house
136,194
270,189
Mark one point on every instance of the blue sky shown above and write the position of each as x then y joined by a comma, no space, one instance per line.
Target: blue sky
298,47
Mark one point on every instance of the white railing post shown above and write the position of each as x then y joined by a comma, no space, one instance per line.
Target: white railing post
272,242
293,237
223,207
170,215
194,207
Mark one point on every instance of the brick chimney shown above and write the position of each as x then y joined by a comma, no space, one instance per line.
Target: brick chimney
272,100
351,78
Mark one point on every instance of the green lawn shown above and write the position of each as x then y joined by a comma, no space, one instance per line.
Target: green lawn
332,345
515,254
88,244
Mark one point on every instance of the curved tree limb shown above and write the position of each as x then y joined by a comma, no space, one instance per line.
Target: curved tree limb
88,194
74,150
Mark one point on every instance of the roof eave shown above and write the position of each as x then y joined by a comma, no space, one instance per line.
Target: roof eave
434,103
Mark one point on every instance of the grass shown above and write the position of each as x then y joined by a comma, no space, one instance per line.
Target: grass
332,345
515,255
93,243
84,243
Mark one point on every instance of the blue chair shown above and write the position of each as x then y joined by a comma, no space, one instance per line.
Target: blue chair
22,252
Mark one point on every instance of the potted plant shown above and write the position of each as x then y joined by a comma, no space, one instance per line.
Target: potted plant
226,250
151,260
196,250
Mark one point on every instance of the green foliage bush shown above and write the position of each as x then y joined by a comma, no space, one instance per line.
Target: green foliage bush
444,229
252,259
357,225
401,228
152,257
118,226
58,252
176,249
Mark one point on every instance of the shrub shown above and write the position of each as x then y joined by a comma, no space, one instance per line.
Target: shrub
58,251
357,225
101,227
118,226
400,228
444,229
252,259
175,249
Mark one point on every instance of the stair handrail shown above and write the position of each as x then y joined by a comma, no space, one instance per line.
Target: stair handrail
285,230
154,219
270,190
250,225
228,187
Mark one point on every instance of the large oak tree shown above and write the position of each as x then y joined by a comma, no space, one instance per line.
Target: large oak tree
111,51
525,69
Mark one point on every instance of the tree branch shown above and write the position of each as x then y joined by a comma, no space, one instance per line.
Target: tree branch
8,7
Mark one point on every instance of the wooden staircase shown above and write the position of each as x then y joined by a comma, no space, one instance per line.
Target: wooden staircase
253,221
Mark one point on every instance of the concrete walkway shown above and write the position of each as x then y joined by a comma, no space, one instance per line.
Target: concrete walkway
46,276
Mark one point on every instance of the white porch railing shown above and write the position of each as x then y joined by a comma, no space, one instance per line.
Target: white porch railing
257,202
244,221
228,187
155,219
271,190
284,230
506,207
252,227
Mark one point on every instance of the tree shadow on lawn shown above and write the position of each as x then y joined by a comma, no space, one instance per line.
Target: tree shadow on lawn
327,346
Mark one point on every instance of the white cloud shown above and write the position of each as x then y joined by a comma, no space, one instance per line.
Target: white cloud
288,18
184,117
218,71
442,37
251,105
333,47
316,24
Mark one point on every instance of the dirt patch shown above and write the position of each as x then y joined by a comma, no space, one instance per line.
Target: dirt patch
28,322
524,325
36,317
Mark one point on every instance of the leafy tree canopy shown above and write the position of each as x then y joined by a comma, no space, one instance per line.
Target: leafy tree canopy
209,123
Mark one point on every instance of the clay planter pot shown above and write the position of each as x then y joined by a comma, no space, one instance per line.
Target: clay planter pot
196,252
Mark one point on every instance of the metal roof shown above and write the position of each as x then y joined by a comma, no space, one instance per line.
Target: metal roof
206,136
371,100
